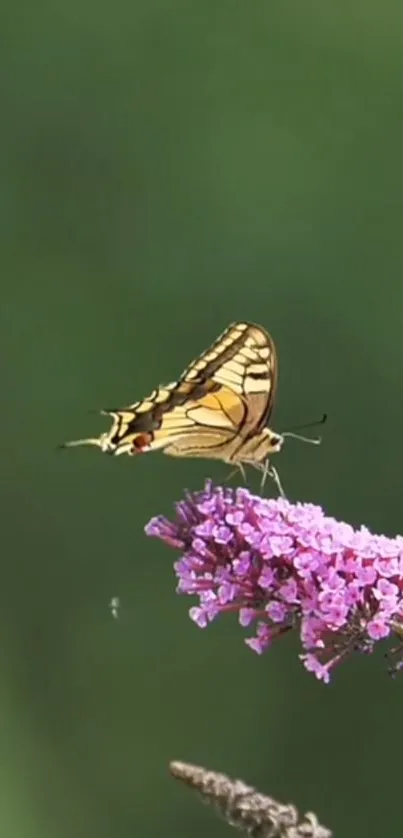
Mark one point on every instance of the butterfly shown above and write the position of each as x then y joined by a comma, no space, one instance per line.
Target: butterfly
218,409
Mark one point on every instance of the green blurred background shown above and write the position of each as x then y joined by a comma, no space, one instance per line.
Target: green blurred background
166,168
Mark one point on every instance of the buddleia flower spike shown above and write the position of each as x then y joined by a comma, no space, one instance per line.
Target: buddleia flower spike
284,566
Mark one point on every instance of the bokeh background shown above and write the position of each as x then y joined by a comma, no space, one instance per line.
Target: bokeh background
166,168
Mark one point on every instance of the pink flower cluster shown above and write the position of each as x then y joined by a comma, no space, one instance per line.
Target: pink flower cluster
282,565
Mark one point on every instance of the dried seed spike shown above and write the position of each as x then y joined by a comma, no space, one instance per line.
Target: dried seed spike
245,808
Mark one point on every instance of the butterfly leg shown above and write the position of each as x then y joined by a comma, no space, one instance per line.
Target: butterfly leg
272,471
235,471
264,468
242,470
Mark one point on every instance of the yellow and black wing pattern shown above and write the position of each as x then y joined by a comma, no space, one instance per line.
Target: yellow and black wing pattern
221,400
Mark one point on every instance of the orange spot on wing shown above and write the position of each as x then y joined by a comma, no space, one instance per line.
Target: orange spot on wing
232,404
228,409
141,442
210,401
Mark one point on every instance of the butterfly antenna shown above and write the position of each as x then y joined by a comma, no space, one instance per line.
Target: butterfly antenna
312,440
315,440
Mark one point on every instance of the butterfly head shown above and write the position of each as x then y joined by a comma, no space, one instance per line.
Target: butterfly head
274,442
261,446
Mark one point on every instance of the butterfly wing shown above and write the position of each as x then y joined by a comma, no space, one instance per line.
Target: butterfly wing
205,427
242,365
224,396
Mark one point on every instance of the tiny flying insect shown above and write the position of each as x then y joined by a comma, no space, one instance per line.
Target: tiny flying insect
114,606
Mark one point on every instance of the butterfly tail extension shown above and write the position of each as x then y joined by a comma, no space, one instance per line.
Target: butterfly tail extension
76,443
